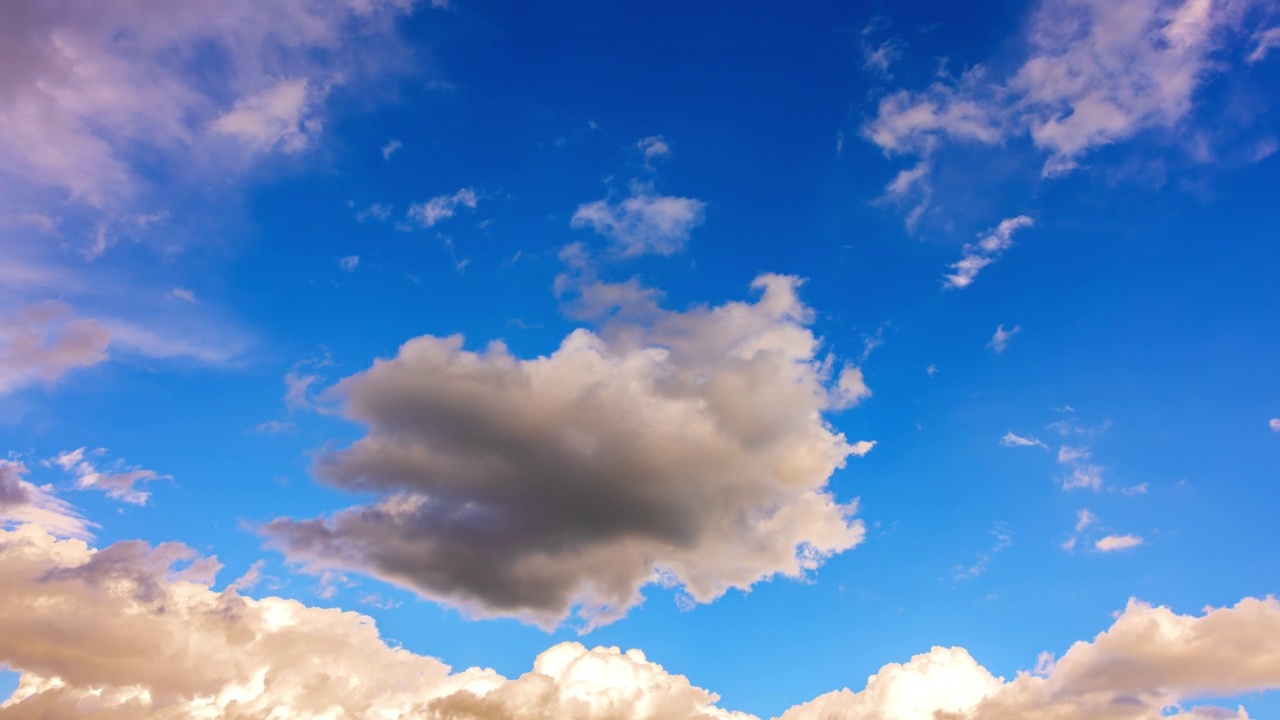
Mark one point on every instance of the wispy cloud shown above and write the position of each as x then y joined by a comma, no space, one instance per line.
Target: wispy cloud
442,207
990,246
1012,439
1000,340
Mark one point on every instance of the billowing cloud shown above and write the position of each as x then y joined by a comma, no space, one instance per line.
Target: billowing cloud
1000,340
990,246
687,449
81,92
41,342
1112,543
644,222
119,481
442,207
176,648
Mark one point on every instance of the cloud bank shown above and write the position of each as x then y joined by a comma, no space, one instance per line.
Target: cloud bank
178,649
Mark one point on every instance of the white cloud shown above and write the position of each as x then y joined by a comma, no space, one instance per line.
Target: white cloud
1012,439
643,222
40,343
1274,424
1112,543
272,427
1084,519
390,148
1096,72
280,117
349,263
21,502
117,480
987,250
374,211
1003,539
82,92
1000,340
687,447
851,388
442,207
654,146
1084,476
176,648
1068,454
183,294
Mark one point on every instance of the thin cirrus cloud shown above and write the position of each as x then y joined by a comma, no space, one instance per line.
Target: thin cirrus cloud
220,655
1012,439
690,447
999,341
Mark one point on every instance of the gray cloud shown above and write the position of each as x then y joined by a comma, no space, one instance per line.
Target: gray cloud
688,449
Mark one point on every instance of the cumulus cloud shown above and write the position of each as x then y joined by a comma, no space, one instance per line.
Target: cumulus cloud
442,207
1012,439
41,342
644,222
118,480
177,648
81,92
1111,543
22,502
1000,340
688,448
990,246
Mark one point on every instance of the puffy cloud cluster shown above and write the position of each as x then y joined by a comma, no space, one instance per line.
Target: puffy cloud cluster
82,88
687,448
41,342
133,631
136,632
644,222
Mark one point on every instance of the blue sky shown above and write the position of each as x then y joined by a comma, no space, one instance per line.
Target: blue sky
790,347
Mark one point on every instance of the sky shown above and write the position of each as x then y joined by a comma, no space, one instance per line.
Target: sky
480,360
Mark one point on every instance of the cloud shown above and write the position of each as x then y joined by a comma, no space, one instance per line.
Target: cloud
1068,454
442,207
643,222
176,648
41,342
279,117
272,427
390,148
21,502
987,250
1084,519
349,263
654,146
1003,539
90,99
1111,543
117,480
182,294
1084,476
688,448
1274,424
1000,340
1011,439
1149,661
1097,72
374,211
